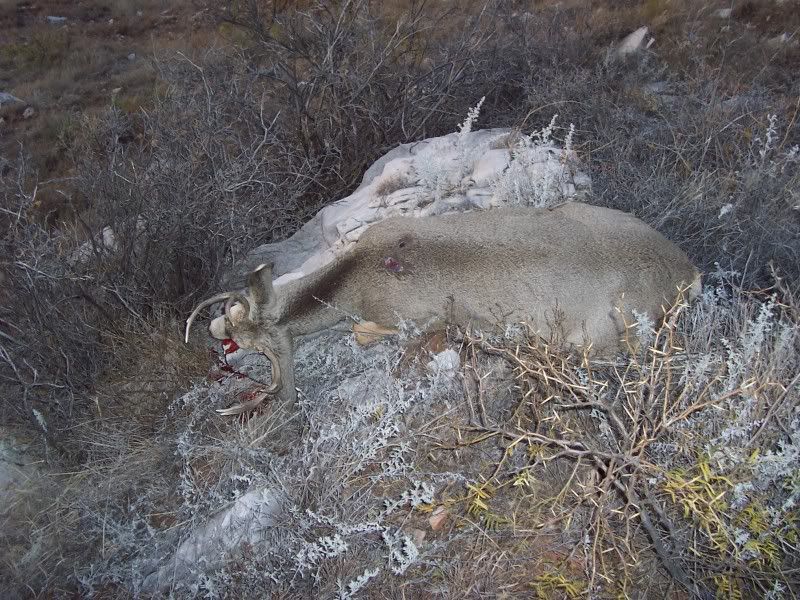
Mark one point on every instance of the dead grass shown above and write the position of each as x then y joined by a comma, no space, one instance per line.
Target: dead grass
72,69
569,495
150,366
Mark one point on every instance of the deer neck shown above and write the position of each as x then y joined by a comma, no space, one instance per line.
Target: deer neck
319,300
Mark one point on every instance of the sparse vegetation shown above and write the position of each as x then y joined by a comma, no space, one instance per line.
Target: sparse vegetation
669,472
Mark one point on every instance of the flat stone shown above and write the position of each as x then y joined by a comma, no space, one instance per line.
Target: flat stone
633,42
6,98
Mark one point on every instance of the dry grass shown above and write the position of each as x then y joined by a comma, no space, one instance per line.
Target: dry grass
573,491
68,71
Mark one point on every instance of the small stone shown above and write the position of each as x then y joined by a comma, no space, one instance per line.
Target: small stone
116,91
438,518
725,210
132,56
111,21
6,98
56,20
723,13
418,535
28,113
632,43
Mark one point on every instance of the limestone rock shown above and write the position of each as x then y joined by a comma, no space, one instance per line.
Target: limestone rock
631,44
246,521
6,98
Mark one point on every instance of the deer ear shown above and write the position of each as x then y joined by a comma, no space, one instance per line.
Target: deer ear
259,282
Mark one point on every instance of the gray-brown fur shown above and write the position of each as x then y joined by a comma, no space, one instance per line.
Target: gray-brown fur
575,266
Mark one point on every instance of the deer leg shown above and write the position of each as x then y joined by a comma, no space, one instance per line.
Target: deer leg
283,346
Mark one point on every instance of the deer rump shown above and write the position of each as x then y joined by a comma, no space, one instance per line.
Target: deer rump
574,273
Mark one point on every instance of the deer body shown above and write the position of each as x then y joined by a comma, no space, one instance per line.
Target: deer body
571,272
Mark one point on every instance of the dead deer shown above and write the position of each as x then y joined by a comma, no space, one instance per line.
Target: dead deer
575,272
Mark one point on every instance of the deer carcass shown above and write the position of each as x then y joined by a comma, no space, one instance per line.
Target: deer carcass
575,272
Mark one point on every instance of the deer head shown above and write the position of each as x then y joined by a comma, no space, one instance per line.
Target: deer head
250,320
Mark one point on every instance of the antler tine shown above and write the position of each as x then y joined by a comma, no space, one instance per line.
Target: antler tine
277,380
242,407
201,306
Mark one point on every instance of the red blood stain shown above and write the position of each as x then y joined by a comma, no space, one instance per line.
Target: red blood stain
392,265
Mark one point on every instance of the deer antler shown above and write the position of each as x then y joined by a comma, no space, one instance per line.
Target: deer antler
277,384
229,297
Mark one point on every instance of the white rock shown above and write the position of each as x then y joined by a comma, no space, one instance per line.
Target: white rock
56,20
408,196
632,43
246,522
28,113
725,210
6,98
723,13
351,224
489,166
445,364
132,56
106,242
457,203
353,235
109,239
401,168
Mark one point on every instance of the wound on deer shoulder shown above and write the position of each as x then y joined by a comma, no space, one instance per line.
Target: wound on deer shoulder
392,265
